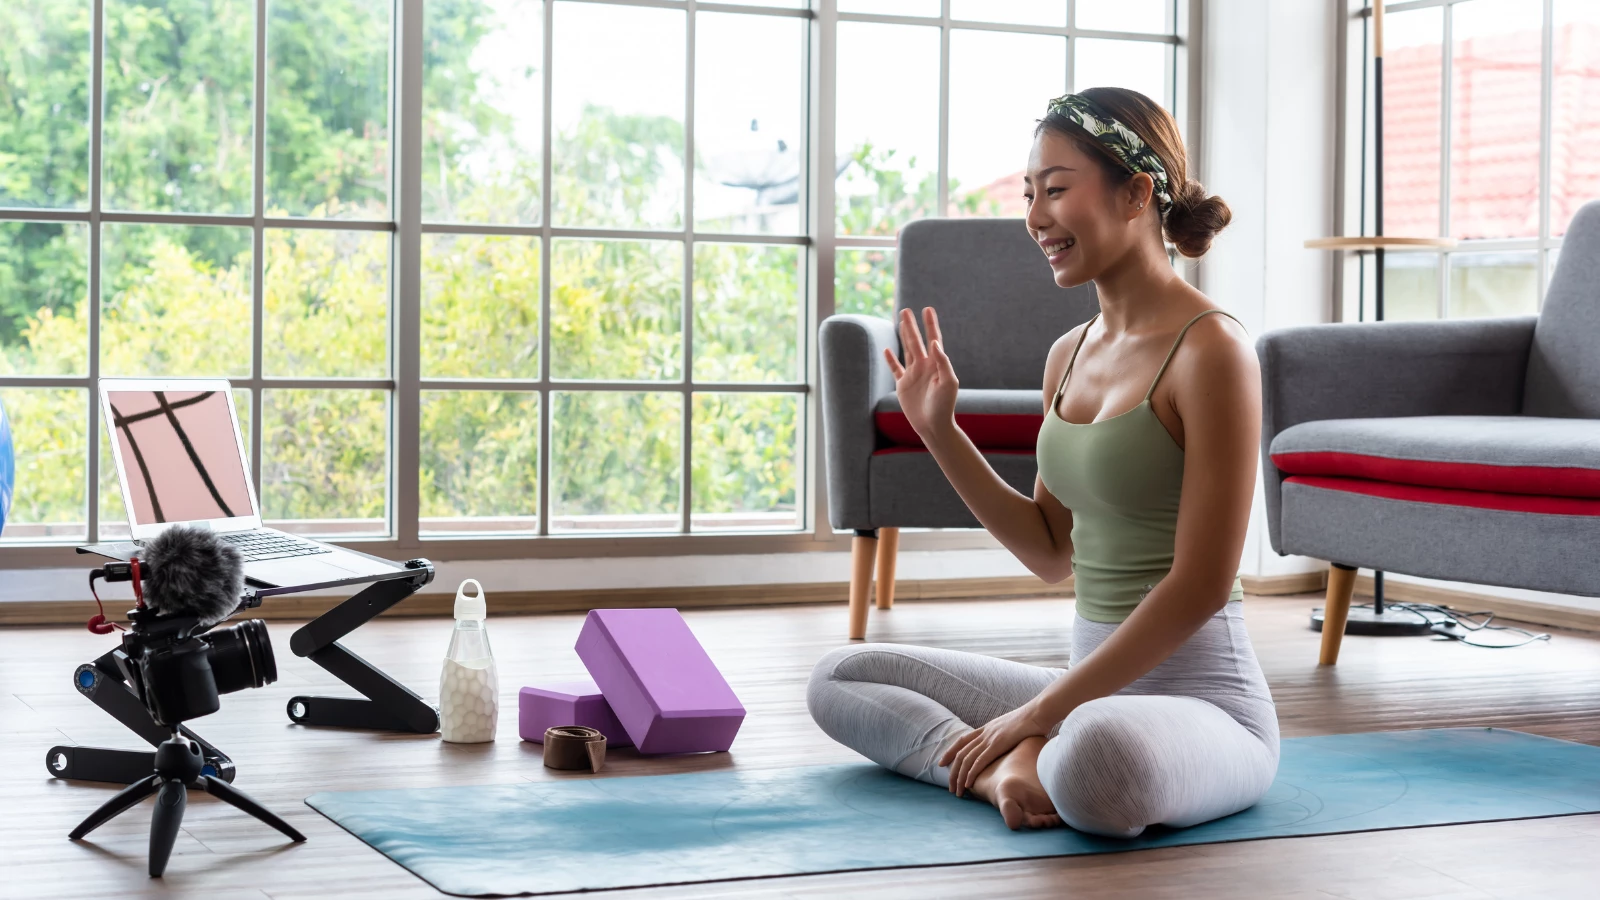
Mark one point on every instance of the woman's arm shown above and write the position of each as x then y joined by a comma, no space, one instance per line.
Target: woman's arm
1035,529
1217,394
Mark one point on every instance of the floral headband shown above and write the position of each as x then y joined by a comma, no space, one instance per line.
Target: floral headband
1119,140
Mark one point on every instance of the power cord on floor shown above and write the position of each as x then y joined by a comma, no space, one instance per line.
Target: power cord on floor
1459,626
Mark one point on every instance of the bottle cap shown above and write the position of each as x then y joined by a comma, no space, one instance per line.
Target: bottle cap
471,607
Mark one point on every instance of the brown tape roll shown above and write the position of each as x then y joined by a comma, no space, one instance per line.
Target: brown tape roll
574,747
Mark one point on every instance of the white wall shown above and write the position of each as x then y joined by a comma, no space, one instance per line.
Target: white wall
1267,148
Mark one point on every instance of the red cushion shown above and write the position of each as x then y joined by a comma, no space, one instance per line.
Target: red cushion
990,431
1550,481
1509,502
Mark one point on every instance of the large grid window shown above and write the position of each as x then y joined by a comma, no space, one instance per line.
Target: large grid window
1487,106
492,267
199,188
937,105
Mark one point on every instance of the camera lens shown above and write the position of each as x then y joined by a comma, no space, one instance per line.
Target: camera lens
241,656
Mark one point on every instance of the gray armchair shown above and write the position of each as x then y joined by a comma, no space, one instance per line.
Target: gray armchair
1000,310
1465,450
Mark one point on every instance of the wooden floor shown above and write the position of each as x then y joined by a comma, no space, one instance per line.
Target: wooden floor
1547,688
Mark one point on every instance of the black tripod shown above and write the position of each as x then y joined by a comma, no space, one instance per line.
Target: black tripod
178,765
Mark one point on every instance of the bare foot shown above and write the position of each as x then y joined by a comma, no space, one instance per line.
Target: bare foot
1011,785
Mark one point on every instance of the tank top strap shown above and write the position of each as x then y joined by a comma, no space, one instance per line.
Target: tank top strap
1163,370
1073,360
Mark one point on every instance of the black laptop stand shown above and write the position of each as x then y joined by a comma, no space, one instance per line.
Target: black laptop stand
388,704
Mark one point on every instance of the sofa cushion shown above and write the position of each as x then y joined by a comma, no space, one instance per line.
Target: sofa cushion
995,420
1483,546
1520,455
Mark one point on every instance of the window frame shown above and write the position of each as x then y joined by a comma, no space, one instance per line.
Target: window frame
1356,278
406,226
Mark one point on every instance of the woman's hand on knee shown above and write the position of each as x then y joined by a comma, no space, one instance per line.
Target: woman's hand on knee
974,751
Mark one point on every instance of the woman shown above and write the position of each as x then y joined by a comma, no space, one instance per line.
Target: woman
1147,462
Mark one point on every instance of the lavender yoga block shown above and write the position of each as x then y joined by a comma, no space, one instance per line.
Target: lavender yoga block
663,688
568,703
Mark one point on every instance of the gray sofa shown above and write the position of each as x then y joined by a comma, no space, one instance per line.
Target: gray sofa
1465,450
1000,310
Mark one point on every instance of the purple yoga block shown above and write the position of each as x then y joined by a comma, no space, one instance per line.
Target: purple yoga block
567,703
664,689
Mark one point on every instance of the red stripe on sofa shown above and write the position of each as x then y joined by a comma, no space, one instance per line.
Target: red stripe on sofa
886,450
990,431
1526,503
1550,481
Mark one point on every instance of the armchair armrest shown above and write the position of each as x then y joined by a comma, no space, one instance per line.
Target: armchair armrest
854,377
1469,367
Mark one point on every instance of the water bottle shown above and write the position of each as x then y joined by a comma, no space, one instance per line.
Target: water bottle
469,687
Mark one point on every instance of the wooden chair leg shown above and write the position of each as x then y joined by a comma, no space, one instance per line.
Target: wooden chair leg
888,550
863,550
1336,608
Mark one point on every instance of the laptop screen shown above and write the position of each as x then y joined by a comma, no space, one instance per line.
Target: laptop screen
180,454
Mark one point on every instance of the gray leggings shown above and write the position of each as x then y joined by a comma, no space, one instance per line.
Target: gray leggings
1193,740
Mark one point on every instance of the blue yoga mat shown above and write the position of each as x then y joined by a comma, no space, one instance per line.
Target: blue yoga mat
557,836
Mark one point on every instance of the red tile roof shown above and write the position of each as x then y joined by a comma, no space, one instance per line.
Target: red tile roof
1494,153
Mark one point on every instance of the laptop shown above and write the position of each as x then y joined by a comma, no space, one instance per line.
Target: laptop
181,461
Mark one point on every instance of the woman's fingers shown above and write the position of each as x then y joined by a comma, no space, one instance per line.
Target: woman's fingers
931,319
911,338
986,754
894,364
957,782
963,763
955,748
939,358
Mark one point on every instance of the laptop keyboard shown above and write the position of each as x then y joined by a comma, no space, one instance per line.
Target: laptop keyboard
255,546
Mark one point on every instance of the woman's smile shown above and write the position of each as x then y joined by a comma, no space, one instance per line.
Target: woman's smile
1057,249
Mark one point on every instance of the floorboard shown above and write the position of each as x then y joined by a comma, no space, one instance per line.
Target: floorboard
1380,684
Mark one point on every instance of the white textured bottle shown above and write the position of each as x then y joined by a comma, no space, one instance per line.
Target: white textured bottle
469,688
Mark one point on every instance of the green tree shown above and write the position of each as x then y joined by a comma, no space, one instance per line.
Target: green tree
175,300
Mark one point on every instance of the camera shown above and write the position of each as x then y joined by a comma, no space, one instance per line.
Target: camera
179,668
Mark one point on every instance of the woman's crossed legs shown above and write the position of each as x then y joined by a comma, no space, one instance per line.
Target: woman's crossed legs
1117,764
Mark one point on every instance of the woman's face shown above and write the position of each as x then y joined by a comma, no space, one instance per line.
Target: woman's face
1081,220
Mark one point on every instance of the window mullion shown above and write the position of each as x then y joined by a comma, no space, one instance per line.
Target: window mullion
1546,111
546,170
942,204
258,209
1446,139
821,107
405,330
686,469
92,418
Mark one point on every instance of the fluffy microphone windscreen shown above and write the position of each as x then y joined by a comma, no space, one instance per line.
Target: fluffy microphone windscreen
192,571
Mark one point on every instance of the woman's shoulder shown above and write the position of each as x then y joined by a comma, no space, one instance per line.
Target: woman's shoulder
1214,330
1215,350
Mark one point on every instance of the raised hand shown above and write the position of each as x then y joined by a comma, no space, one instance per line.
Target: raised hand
926,384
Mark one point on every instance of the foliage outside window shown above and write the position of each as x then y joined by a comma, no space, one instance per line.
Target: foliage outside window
649,338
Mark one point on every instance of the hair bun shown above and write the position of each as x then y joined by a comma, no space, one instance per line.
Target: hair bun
1195,218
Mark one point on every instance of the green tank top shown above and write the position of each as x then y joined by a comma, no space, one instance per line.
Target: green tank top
1122,478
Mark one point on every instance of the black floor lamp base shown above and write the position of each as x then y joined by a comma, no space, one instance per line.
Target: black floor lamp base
1394,621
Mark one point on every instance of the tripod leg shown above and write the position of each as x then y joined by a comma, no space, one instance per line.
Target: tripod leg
124,799
227,793
164,824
